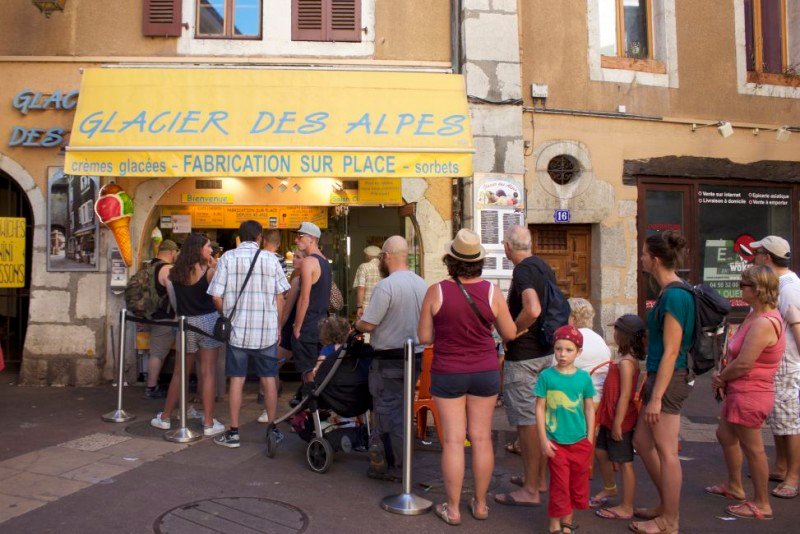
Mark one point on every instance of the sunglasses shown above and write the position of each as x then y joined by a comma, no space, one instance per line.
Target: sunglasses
743,285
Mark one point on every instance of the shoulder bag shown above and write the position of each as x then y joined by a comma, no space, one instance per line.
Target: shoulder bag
223,326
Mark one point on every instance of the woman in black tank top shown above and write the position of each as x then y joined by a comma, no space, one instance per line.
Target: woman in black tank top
190,278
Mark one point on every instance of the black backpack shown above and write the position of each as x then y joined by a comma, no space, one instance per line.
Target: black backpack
555,309
710,328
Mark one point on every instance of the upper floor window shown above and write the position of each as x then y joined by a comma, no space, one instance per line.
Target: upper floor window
626,28
326,20
229,19
772,40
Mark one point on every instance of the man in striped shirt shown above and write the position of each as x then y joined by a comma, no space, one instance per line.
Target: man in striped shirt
255,333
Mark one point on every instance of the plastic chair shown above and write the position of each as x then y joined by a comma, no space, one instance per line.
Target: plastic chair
423,400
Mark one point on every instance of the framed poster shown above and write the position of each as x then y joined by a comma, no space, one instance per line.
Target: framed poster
73,231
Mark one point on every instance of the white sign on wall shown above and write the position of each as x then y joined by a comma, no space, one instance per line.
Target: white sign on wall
499,204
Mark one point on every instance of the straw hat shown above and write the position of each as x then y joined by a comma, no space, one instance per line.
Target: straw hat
466,246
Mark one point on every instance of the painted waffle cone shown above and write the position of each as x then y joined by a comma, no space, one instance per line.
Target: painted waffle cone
121,228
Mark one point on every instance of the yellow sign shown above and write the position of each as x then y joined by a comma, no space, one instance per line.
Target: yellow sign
380,191
206,198
288,217
258,123
12,252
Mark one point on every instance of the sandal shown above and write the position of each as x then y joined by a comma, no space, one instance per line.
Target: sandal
513,447
741,511
609,513
785,491
473,509
660,522
721,490
648,514
441,512
570,527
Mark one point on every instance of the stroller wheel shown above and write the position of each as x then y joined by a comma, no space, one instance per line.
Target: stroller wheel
319,455
272,442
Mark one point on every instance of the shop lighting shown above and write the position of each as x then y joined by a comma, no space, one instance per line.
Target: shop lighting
48,6
724,128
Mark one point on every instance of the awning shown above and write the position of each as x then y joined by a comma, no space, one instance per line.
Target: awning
284,123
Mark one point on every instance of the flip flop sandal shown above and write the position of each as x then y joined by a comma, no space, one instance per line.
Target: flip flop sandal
648,514
663,528
785,491
608,513
509,500
571,527
513,448
737,510
721,490
598,503
441,513
473,509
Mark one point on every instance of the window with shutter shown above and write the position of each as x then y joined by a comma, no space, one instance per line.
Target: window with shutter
161,18
326,20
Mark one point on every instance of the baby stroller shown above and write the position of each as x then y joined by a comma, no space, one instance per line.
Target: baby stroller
341,387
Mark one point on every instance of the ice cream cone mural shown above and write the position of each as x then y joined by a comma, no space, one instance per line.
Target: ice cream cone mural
114,208
156,237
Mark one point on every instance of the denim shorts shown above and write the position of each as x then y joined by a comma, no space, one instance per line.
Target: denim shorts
265,361
195,340
452,386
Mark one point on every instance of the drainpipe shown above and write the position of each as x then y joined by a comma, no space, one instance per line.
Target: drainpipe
455,36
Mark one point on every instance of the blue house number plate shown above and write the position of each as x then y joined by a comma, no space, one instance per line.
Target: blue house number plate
561,216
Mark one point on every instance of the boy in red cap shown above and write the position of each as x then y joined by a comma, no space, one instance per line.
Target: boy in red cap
564,402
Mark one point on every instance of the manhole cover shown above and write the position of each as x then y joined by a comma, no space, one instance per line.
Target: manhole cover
233,514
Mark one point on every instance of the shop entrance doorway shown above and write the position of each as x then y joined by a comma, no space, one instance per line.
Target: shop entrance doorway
14,302
568,250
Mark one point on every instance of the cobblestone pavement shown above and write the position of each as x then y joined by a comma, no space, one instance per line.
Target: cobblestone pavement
63,469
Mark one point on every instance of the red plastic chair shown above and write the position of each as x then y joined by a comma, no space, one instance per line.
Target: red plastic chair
423,400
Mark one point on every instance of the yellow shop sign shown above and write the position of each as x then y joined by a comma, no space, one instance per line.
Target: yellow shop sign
12,252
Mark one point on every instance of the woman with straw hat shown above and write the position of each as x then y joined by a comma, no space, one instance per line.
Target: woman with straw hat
458,315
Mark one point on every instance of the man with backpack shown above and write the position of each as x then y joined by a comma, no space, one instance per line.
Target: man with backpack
538,308
162,337
774,252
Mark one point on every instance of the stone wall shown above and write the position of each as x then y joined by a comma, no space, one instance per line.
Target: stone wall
64,344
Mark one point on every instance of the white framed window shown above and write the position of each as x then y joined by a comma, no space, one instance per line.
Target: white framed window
633,41
768,47
275,30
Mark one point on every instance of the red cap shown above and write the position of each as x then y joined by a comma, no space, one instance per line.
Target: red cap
571,333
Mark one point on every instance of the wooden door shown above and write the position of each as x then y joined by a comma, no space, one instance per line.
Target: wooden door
568,251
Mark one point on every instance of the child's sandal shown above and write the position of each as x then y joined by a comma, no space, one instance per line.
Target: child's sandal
572,527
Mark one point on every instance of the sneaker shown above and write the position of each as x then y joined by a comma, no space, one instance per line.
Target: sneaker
278,435
228,439
264,417
377,459
154,392
160,423
214,429
191,413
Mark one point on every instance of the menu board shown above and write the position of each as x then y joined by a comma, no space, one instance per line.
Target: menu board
232,216
499,205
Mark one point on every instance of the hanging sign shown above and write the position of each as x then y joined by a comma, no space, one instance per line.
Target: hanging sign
12,252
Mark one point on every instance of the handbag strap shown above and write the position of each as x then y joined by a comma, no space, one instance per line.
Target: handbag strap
246,279
472,305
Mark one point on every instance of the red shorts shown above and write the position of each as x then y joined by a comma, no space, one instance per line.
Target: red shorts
569,478
749,409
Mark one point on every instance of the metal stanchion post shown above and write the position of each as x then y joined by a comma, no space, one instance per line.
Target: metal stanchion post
407,503
182,434
119,415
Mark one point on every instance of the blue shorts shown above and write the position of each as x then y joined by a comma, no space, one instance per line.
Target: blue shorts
452,386
265,360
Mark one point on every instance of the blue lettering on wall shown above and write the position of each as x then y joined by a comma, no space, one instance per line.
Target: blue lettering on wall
26,100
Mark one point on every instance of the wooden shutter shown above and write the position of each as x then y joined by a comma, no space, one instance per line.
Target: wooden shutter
308,22
345,20
162,18
326,20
